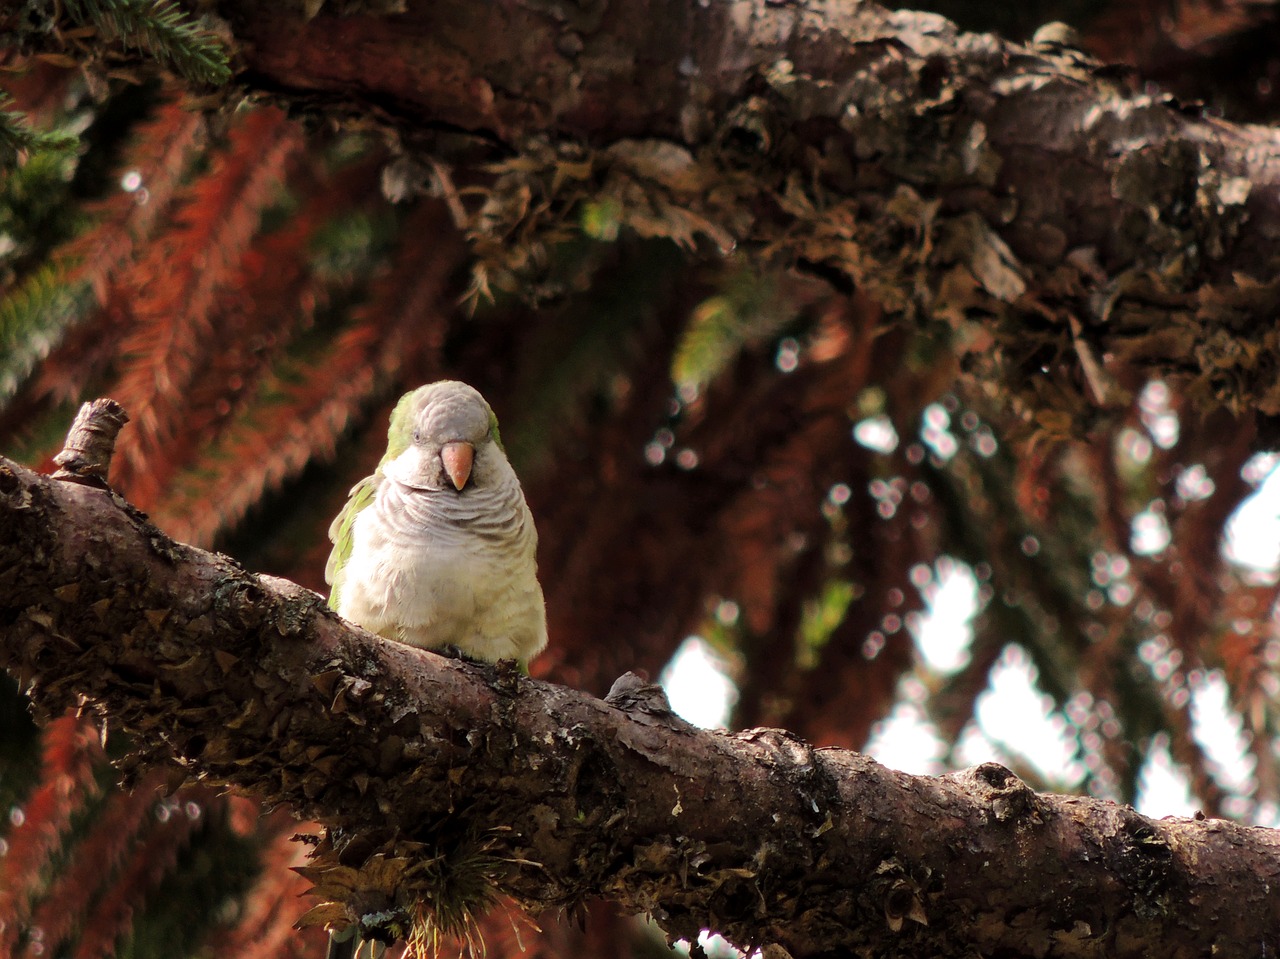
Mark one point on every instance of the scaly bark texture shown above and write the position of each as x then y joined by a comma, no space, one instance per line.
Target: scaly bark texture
551,796
1025,194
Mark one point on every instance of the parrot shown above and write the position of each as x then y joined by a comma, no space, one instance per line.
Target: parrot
437,549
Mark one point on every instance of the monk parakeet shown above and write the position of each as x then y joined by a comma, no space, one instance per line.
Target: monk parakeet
436,548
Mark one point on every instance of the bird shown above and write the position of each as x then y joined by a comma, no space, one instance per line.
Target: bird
437,548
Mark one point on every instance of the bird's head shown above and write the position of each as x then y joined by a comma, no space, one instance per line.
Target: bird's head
443,436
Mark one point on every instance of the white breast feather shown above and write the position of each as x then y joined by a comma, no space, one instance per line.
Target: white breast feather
439,590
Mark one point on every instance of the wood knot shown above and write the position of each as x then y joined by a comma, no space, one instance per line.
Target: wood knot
1007,795
632,693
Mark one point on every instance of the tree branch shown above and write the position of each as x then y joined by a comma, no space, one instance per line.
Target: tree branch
1025,194
551,796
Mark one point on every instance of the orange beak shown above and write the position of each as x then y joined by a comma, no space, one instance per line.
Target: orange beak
458,457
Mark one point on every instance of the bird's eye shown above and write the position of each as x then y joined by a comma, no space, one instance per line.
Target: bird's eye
417,436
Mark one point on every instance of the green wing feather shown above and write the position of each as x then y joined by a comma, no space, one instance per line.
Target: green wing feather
493,430
399,436
362,495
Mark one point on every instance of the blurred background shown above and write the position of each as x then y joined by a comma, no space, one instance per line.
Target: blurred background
758,488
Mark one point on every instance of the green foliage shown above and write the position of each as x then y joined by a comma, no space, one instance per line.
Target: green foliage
40,435
350,245
32,200
163,30
296,349
821,617
34,316
602,219
749,308
203,890
18,137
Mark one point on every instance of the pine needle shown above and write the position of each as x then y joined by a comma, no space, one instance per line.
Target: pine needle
18,137
34,316
163,30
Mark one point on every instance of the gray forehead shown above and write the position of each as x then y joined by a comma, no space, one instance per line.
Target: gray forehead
454,411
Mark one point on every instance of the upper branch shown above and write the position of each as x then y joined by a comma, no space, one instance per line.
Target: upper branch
552,796
1024,195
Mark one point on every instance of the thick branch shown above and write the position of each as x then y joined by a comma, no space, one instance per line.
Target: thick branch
251,681
953,175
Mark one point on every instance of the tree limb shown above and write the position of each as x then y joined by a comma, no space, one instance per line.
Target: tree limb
1025,195
551,796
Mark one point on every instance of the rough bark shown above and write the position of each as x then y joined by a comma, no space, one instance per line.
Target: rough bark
551,796
1025,193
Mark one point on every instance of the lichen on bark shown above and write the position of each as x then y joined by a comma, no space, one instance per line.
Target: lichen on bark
549,796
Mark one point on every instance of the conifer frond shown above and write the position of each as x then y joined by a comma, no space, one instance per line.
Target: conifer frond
160,150
34,316
302,405
163,30
36,210
265,929
93,860
174,288
35,439
39,89
278,298
149,863
1050,618
301,408
18,136
69,754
